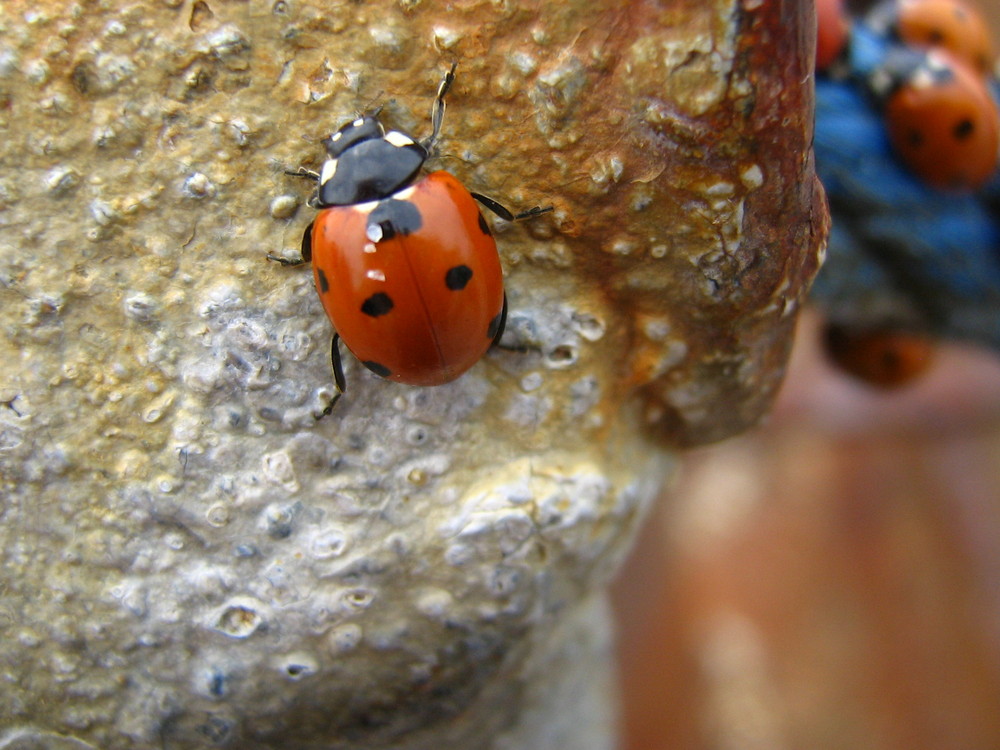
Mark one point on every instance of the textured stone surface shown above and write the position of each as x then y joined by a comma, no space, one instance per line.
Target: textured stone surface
189,558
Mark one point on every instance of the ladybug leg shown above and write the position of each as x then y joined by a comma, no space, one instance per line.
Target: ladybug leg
499,334
533,212
502,324
437,111
338,375
505,213
313,200
306,250
303,172
307,243
492,205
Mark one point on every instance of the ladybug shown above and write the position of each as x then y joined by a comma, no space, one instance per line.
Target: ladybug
883,358
405,264
833,28
954,25
942,121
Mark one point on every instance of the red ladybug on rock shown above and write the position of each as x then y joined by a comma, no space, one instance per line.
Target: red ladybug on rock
405,265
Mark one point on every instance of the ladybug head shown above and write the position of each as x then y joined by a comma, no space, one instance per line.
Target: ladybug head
905,65
361,129
367,163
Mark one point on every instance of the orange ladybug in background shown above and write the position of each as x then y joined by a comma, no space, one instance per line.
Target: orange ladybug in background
944,124
883,358
907,142
954,25
832,30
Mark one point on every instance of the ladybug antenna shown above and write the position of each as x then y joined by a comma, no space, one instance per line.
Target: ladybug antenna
437,111
374,107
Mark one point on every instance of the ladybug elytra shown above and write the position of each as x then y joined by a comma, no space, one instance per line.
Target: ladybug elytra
882,358
953,25
944,124
832,32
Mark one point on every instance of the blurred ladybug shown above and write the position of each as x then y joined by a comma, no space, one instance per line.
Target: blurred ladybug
941,120
832,30
406,266
954,25
883,358
903,251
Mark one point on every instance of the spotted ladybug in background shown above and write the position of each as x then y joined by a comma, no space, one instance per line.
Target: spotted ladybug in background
405,265
941,119
882,358
954,25
832,31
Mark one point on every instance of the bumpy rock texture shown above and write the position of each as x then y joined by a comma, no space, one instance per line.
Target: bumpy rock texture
189,558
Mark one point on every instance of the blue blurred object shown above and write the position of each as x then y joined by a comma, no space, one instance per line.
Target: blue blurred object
902,254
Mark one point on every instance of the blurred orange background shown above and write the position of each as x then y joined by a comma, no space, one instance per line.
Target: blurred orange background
830,580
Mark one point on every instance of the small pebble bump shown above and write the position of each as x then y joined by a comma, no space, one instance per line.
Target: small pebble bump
278,521
141,307
344,638
435,603
283,206
217,515
358,598
329,544
198,186
61,181
296,666
37,72
239,619
752,176
446,38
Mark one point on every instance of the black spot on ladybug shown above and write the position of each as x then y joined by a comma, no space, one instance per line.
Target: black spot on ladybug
378,304
963,129
324,285
494,327
379,369
457,277
484,226
890,361
915,138
392,218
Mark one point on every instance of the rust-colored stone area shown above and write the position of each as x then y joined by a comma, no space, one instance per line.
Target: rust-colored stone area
829,581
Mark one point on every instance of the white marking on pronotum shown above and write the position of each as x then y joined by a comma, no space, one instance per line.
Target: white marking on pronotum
398,139
328,171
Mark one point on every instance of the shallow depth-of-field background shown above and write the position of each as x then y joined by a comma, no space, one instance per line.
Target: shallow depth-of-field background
832,579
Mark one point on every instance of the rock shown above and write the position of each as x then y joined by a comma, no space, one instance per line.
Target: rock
190,559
